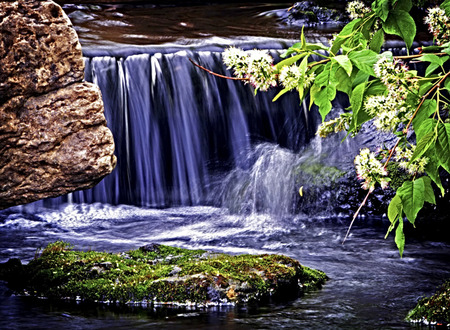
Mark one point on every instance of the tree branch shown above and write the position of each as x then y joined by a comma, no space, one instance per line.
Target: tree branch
216,74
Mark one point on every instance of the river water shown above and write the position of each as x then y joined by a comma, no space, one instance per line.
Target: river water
203,163
370,286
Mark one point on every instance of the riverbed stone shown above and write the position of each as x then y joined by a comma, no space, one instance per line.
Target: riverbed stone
53,133
53,144
167,275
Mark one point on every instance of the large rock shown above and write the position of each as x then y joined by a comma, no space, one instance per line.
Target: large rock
39,49
53,134
53,144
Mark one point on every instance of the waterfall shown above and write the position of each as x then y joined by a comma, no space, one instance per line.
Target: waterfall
180,132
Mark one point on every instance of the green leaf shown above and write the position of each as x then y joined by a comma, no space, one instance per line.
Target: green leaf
324,108
427,126
364,60
375,87
424,87
377,41
356,42
344,81
344,62
446,6
381,8
323,100
345,33
400,23
426,110
428,192
313,47
412,194
423,145
295,48
432,49
447,84
430,69
432,58
358,77
357,97
400,238
289,61
302,38
432,168
405,5
281,93
314,90
323,78
395,209
443,145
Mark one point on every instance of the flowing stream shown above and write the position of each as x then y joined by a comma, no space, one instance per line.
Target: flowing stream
204,163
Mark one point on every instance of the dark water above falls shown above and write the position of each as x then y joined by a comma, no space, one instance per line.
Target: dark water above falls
203,163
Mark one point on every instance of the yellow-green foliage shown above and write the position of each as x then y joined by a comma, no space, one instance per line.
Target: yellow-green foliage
165,274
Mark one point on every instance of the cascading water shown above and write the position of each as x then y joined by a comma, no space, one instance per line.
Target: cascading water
179,130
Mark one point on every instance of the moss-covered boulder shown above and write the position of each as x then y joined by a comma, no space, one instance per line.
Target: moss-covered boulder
156,274
434,310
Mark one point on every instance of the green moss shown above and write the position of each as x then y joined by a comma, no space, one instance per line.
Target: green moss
159,273
435,309
318,174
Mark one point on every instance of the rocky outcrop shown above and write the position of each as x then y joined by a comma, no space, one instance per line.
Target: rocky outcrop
53,134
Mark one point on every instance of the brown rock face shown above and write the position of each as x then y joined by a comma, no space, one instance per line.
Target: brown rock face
53,134
39,49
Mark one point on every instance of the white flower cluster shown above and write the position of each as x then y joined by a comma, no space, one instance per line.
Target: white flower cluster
261,70
357,9
438,24
255,65
403,156
291,77
385,109
370,169
237,59
396,76
391,109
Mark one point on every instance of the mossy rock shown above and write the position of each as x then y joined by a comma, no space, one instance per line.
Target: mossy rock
434,310
159,274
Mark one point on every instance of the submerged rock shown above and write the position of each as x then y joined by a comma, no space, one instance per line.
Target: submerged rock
53,134
163,275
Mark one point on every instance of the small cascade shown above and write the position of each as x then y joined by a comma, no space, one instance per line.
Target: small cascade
179,130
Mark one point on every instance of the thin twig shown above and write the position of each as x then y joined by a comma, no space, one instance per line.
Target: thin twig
216,74
355,215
